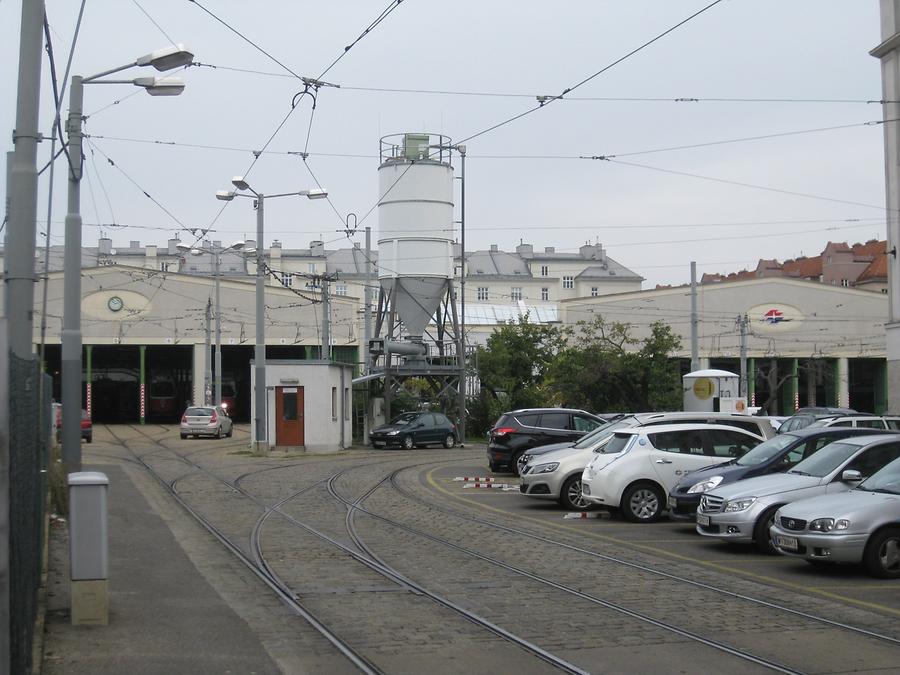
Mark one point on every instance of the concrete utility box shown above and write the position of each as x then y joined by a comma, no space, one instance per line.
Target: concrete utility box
702,389
88,547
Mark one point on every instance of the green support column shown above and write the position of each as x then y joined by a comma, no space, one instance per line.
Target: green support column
143,350
88,364
831,383
879,386
751,381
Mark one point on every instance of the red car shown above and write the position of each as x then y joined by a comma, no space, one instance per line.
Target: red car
87,428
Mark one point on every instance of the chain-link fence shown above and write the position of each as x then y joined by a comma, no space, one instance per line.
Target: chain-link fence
29,426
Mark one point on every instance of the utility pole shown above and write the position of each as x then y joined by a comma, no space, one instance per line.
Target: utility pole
326,318
743,321
367,331
207,378
695,350
461,400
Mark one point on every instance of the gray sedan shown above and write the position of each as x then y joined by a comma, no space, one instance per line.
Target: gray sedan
862,525
744,511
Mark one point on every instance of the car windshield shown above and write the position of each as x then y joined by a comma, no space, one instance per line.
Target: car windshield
765,451
825,460
886,480
597,434
616,444
199,412
404,419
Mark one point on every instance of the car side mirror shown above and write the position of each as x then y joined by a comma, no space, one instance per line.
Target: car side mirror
851,476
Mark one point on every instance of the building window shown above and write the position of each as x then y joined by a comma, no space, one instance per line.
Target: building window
845,283
164,266
312,268
334,403
545,271
568,282
594,291
884,290
346,403
482,293
287,279
340,289
545,294
515,293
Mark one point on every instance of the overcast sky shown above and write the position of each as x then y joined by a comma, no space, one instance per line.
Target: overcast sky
524,179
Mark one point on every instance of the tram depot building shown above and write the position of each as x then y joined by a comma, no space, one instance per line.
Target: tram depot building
148,314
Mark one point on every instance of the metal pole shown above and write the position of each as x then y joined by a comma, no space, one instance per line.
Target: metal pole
23,189
207,361
260,350
461,402
742,322
5,664
367,302
218,376
695,350
71,333
326,320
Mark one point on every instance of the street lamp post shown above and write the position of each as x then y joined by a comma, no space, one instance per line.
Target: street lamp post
259,353
163,59
217,262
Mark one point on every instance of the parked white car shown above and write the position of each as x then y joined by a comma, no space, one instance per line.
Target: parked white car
557,474
862,525
745,511
637,468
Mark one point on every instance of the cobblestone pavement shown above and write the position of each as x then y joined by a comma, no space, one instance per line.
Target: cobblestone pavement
555,597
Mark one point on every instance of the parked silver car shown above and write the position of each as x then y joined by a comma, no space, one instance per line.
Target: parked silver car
862,525
206,421
745,511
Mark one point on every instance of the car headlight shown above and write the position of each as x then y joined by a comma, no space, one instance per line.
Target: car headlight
545,468
828,524
739,504
393,433
705,485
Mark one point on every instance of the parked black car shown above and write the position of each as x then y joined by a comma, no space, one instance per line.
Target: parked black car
775,455
806,416
414,429
520,430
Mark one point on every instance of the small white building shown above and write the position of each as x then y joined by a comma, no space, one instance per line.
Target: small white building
308,405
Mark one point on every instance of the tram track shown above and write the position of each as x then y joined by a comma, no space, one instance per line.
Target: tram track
261,567
639,566
354,506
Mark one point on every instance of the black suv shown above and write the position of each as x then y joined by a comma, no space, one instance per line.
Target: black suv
520,430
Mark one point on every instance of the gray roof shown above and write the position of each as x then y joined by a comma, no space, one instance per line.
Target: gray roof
609,271
496,263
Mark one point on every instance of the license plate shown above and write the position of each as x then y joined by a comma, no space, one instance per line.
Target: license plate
702,520
673,503
378,444
789,543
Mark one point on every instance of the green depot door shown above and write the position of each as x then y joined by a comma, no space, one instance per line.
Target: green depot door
289,428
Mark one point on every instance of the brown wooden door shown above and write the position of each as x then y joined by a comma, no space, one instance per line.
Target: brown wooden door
289,427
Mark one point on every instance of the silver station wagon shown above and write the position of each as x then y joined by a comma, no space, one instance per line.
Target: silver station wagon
745,511
862,525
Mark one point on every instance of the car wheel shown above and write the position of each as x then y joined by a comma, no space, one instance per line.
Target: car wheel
642,503
761,537
89,439
183,436
230,432
520,463
882,555
407,443
449,441
218,432
570,496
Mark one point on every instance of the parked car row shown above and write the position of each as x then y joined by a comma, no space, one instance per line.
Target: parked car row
827,491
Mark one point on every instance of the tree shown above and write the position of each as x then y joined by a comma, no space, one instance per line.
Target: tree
513,364
607,369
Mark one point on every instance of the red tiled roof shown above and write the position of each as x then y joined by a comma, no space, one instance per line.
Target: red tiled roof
876,270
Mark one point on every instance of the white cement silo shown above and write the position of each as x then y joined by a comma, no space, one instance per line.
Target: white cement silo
415,219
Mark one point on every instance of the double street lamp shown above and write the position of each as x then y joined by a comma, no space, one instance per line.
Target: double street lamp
168,58
259,354
216,252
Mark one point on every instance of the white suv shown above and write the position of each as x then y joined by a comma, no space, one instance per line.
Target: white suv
637,468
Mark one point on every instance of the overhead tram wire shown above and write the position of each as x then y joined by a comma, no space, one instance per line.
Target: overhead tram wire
394,4
153,21
544,101
613,99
